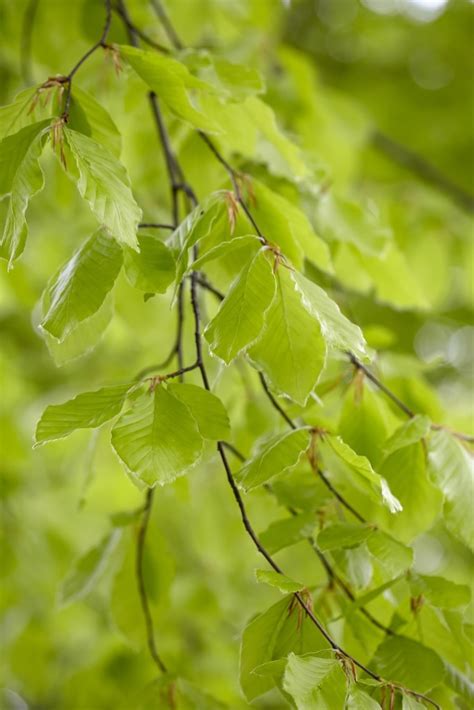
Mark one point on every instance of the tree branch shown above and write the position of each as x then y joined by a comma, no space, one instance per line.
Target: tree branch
26,40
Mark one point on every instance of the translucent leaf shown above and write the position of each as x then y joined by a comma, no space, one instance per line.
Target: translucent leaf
21,178
411,432
279,581
237,80
104,183
283,223
16,115
249,243
157,438
392,554
172,82
451,469
357,699
365,599
338,331
81,285
341,535
361,466
206,409
289,531
409,702
315,682
239,320
440,592
291,350
181,693
87,116
410,663
152,269
280,454
85,411
88,569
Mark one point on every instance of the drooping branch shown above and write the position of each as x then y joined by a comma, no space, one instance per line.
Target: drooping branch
418,165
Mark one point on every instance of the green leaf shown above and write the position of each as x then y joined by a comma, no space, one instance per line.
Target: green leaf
288,531
392,554
206,409
152,269
411,703
87,116
21,178
81,285
357,699
249,242
361,466
342,535
87,410
440,592
88,569
284,584
237,80
281,453
363,421
338,331
315,682
365,599
451,469
104,184
239,320
283,223
408,662
157,438
16,115
411,432
291,350
172,82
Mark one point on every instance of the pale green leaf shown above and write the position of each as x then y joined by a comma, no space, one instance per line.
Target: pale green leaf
17,114
21,178
87,410
279,454
338,330
451,469
366,598
88,569
440,592
291,350
104,184
288,531
343,535
284,584
87,116
236,80
206,409
408,662
239,320
172,82
250,243
411,432
157,438
80,287
394,557
357,699
315,682
409,702
152,269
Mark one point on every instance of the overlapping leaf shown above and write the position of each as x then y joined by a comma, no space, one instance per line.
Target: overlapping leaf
205,408
152,269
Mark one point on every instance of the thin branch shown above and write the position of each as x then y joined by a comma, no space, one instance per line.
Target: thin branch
26,40
339,497
167,25
156,225
275,403
423,169
122,11
140,548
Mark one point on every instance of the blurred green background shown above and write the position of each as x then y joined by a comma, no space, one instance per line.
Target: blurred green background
337,71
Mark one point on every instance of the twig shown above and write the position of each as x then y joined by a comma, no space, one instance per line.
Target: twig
155,225
26,40
122,11
141,537
423,169
167,25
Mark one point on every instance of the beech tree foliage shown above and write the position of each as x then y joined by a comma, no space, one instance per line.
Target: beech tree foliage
236,295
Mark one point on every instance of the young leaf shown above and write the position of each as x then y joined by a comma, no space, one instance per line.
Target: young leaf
87,410
394,557
284,584
21,178
363,420
157,438
250,243
411,432
357,699
280,454
172,82
410,663
16,115
88,569
338,331
104,184
411,703
82,284
291,350
205,408
342,535
152,269
288,531
240,318
315,682
451,469
440,592
87,116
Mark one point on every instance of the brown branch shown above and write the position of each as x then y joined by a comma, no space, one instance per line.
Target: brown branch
423,169
167,25
122,12
140,548
156,225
